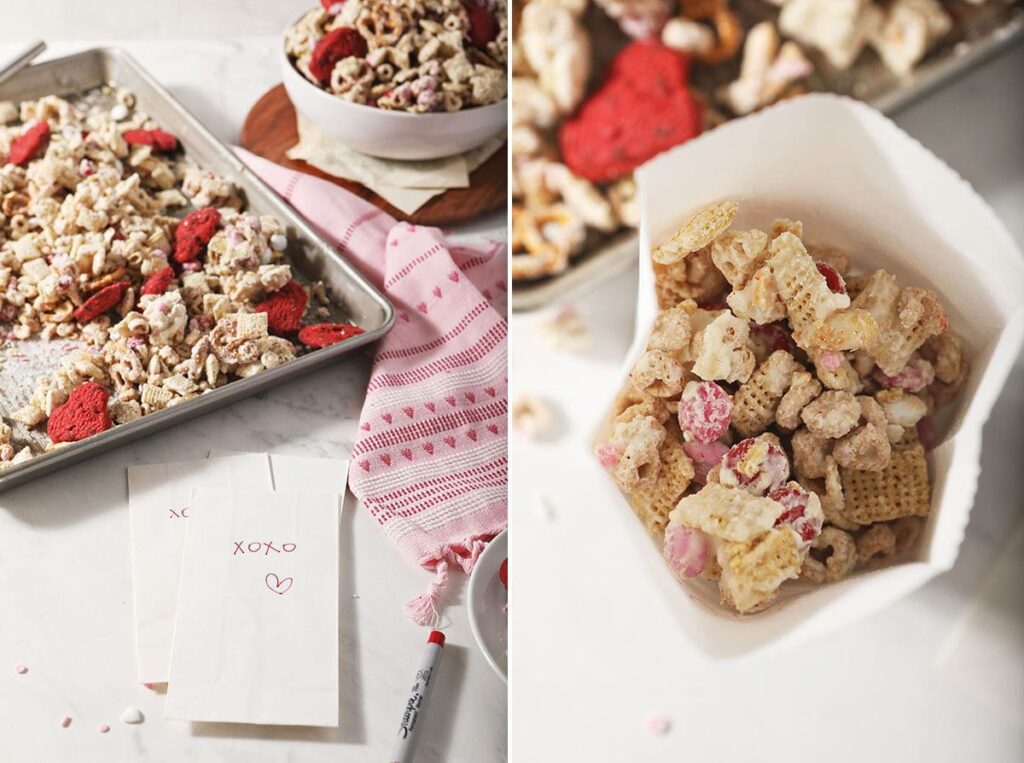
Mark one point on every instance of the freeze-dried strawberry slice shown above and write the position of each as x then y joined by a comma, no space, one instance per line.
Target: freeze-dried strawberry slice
794,500
83,415
483,28
705,410
334,46
330,4
158,282
101,301
756,465
25,145
644,107
771,336
158,139
285,308
913,377
324,334
193,234
833,280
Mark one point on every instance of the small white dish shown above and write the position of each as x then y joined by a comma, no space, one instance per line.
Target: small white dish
488,603
392,134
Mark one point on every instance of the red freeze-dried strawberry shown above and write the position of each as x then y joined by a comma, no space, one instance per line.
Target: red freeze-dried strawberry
25,145
503,573
644,107
158,282
101,301
193,234
794,501
335,45
83,415
483,28
833,280
285,308
756,465
324,334
158,139
328,4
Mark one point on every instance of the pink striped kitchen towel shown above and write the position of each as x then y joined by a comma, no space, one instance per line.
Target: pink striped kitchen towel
430,460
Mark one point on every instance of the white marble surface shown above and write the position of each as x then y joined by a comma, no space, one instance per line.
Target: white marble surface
595,654
65,598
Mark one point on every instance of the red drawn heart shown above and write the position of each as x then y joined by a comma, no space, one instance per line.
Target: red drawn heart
471,434
365,426
386,459
450,441
454,276
280,586
490,391
502,286
450,400
422,307
643,108
487,294
492,428
365,465
408,411
437,292
407,453
471,397
430,407
429,447
386,417
404,316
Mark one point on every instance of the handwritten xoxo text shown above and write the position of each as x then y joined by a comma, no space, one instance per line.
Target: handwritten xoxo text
254,547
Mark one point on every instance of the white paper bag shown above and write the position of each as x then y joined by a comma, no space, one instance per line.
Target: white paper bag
256,635
158,512
858,182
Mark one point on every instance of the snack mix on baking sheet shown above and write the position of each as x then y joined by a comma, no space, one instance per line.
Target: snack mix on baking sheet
578,131
407,55
776,425
157,310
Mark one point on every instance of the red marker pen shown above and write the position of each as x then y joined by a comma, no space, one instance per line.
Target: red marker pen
416,705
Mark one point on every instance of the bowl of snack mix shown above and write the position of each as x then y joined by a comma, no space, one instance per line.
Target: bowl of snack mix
826,316
413,80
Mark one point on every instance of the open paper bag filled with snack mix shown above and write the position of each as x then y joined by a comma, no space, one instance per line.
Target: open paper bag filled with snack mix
826,316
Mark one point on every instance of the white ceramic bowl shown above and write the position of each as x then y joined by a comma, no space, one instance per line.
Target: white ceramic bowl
392,134
488,600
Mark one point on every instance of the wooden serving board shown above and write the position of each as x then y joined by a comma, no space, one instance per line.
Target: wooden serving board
270,130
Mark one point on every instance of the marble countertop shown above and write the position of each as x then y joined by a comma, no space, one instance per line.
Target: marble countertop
66,600
938,676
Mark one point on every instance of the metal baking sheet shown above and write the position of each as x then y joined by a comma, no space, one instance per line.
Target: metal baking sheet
311,257
981,31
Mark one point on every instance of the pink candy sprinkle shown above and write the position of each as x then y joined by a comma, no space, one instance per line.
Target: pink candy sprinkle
686,550
607,455
65,721
20,670
658,724
103,728
705,410
830,360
